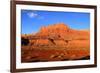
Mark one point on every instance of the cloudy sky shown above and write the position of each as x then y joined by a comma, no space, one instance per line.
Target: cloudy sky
32,20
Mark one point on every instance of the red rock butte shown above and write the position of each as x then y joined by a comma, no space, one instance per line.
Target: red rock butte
56,42
62,30
54,28
59,26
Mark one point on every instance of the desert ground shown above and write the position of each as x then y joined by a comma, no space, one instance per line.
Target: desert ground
56,42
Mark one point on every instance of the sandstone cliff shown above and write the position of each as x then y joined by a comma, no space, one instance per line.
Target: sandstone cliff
56,42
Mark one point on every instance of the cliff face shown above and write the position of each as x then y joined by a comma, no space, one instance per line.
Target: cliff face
59,37
62,31
56,29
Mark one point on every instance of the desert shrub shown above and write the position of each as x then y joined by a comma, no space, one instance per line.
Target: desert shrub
24,41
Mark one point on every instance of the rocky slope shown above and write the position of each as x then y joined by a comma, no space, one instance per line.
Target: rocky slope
55,43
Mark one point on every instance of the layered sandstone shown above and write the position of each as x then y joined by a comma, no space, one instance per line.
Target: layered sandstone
56,42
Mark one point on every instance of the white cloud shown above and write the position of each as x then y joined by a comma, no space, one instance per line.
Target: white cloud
32,14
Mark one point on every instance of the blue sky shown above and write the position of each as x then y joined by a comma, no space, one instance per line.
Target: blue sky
33,20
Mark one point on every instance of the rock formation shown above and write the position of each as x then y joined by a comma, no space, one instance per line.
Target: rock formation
55,43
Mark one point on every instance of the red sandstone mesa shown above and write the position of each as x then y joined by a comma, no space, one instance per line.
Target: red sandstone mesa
55,43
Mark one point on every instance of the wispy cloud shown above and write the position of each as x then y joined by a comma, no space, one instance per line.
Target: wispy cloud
32,14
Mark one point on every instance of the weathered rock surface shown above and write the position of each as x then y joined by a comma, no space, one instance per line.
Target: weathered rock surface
55,43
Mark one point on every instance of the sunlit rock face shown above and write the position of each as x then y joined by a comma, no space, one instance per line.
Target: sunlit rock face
56,42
